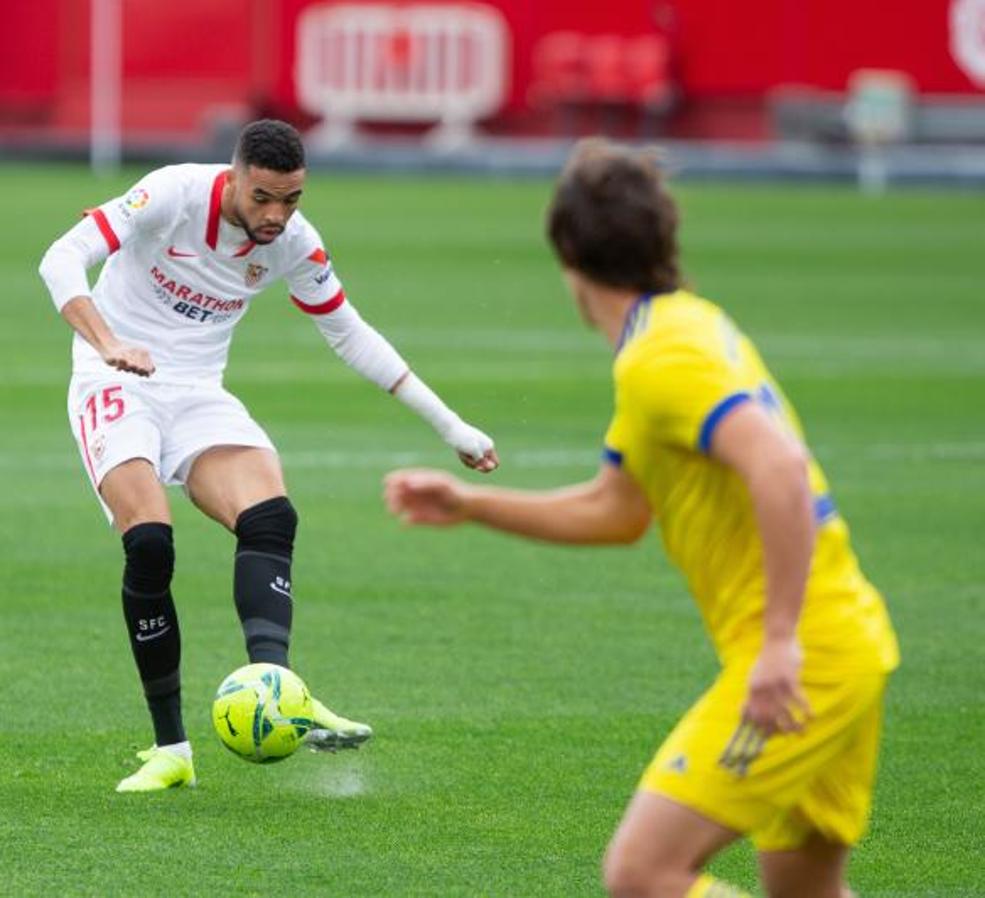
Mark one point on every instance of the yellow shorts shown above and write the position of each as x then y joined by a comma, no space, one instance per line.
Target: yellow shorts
781,790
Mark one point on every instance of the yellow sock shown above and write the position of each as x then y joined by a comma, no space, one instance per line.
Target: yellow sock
706,886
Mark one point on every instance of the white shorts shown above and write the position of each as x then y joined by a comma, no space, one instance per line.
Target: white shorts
115,419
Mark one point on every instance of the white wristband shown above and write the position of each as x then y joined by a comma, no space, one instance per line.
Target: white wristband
462,437
420,398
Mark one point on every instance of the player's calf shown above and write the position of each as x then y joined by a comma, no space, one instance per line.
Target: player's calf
262,578
152,624
262,588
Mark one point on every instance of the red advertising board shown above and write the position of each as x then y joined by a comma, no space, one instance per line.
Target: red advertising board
186,59
725,47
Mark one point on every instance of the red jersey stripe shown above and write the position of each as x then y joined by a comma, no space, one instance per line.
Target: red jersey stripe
319,256
105,228
215,206
323,308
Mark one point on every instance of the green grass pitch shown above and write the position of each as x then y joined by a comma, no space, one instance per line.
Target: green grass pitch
516,690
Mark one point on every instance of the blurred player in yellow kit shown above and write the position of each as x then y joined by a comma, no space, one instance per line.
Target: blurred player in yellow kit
783,746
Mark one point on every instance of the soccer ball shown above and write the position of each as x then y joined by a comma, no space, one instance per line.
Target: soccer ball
261,712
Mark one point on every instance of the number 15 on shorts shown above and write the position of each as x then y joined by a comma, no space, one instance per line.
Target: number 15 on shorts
102,406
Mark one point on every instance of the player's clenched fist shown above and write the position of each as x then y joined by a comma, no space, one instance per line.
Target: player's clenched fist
128,358
475,449
426,497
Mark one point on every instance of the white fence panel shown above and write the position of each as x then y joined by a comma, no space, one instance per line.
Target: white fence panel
424,62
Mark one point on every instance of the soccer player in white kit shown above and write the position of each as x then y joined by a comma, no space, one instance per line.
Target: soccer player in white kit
185,250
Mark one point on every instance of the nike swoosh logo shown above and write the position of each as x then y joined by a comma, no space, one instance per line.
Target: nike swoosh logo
147,637
281,590
177,254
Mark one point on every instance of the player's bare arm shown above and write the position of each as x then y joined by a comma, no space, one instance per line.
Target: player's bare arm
606,510
83,316
773,466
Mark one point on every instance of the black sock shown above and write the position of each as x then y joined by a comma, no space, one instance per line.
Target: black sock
152,623
262,578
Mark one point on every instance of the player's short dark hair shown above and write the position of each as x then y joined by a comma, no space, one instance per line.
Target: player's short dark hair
612,220
271,144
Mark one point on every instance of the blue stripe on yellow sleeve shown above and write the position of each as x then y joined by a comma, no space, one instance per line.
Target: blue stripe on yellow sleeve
612,456
824,508
716,415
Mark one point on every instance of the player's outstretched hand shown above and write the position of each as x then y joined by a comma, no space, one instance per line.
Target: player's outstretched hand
776,702
484,463
425,496
474,448
129,358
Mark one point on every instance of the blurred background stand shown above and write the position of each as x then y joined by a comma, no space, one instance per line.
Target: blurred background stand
506,85
604,83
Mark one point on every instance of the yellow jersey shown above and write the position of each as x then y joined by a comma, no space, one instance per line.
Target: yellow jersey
681,366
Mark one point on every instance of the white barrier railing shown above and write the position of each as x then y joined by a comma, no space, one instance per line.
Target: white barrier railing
424,62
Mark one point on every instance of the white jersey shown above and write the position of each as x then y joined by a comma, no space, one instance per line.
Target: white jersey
178,277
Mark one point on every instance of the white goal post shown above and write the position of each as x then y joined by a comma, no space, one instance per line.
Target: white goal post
105,84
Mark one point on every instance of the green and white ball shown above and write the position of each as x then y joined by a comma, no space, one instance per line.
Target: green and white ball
262,712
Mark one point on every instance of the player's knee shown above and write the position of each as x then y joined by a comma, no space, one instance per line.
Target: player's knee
268,526
149,550
620,882
626,876
797,888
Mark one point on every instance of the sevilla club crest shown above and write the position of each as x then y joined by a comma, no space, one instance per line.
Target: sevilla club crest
254,273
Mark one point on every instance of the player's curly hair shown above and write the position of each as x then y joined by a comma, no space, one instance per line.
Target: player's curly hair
612,220
271,144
